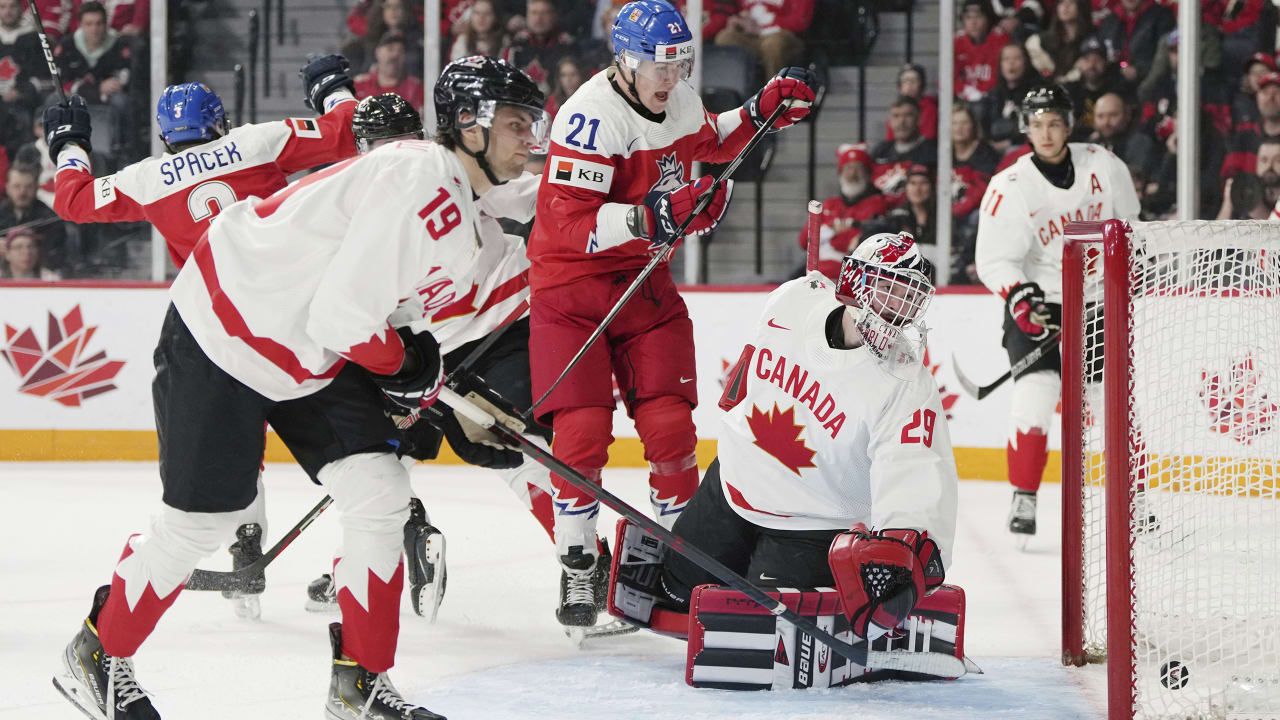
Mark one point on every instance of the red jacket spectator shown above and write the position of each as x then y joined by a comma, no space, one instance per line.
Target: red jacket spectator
893,158
715,15
843,215
771,15
410,88
977,50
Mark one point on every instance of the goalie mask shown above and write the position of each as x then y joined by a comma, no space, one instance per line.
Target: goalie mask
886,280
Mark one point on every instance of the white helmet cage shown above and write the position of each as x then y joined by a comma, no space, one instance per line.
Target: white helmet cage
887,280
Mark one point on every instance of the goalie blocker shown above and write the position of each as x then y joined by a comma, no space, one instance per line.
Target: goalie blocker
735,644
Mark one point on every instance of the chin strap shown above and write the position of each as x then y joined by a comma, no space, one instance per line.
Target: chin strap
481,157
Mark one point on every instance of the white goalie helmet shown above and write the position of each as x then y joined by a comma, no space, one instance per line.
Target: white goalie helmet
886,280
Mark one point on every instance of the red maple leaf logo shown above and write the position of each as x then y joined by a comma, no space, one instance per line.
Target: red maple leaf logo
948,398
777,434
8,71
61,372
1236,404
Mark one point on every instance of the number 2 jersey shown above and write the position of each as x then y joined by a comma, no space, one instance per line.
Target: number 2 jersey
604,158
283,290
823,438
179,193
1023,217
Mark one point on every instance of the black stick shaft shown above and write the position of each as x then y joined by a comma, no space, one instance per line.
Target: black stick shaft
48,50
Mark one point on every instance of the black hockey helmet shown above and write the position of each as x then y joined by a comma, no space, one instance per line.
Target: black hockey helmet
379,117
1046,98
477,86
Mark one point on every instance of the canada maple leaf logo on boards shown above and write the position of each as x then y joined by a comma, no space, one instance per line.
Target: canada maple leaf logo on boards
778,434
1236,403
948,398
60,371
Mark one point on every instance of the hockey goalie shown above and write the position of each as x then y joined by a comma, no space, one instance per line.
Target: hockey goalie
835,484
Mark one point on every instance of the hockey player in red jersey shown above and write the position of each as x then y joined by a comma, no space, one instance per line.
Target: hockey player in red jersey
1021,224
207,166
615,188
260,332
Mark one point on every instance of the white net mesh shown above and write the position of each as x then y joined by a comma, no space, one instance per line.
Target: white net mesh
1204,435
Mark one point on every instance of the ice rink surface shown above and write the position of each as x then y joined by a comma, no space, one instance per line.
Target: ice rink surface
496,650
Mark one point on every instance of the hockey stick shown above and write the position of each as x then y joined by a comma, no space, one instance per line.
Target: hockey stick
812,229
703,202
48,51
1016,370
238,580
927,663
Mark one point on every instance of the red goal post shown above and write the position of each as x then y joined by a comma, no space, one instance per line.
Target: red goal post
1172,576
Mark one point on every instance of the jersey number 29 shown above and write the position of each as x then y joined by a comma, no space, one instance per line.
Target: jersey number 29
922,421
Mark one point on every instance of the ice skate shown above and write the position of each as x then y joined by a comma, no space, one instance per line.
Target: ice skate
358,694
1022,517
100,685
424,560
1144,520
322,595
578,604
246,550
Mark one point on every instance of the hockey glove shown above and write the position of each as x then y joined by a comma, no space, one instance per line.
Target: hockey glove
476,445
322,75
1033,316
667,210
794,83
417,383
67,122
882,574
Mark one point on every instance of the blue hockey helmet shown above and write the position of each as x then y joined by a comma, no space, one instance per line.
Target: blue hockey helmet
190,112
652,38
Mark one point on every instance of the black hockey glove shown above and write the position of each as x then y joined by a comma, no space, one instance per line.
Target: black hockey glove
417,383
67,122
322,75
476,451
1033,316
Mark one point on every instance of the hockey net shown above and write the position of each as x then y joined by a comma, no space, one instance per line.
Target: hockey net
1171,460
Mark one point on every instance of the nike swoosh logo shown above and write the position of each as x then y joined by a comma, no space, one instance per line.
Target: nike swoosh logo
633,142
773,324
767,578
685,380
1037,212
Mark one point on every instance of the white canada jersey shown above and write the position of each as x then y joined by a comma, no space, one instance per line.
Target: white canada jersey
1023,217
283,289
825,438
501,281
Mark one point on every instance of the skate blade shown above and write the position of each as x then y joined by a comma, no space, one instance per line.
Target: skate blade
326,608
69,687
580,635
427,604
1020,541
247,607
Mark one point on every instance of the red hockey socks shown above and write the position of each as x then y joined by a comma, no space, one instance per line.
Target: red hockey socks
666,428
1026,456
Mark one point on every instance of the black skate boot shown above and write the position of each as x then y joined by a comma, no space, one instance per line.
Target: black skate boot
600,577
424,559
246,550
577,589
1144,520
357,694
322,595
1022,517
101,685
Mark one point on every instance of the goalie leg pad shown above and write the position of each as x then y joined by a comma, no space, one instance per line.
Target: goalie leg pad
635,592
736,645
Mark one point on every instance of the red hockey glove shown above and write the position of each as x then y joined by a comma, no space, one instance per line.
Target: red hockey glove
417,383
881,574
666,210
795,83
1033,316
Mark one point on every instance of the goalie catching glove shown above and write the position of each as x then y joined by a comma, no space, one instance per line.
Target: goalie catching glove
1033,316
667,210
882,574
417,383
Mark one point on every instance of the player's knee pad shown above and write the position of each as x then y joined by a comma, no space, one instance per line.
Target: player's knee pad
371,492
166,555
583,436
1035,395
665,425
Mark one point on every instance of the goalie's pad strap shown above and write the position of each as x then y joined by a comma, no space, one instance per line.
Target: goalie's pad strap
735,644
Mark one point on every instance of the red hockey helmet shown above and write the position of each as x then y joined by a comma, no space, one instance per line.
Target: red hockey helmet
887,280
